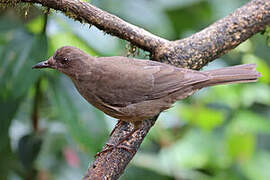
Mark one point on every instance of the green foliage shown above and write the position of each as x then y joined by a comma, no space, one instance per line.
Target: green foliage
203,117
267,34
28,149
219,133
19,51
36,25
179,15
22,51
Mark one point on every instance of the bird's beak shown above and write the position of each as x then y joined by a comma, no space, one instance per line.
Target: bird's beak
50,63
43,64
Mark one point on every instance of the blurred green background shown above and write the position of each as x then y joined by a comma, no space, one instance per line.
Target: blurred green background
48,131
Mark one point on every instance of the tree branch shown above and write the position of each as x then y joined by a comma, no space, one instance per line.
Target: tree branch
197,50
192,52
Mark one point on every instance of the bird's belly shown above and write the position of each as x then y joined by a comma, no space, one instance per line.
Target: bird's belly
132,113
107,109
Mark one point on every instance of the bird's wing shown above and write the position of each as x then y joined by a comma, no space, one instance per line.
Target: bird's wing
125,81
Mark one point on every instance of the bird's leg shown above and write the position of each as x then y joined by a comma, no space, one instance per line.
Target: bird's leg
116,126
118,145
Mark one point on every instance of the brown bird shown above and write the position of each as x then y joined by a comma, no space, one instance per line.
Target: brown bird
134,90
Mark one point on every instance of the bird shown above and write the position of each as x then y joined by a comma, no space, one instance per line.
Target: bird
133,90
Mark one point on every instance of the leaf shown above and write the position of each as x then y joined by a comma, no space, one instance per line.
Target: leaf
6,26
241,146
19,55
202,116
19,51
267,35
198,14
36,25
195,150
249,122
258,93
258,167
28,150
262,66
228,95
8,110
88,38
240,134
244,47
69,39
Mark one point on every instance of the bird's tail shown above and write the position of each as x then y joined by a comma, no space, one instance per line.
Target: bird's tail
229,75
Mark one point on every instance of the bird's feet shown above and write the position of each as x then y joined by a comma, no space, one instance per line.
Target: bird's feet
118,145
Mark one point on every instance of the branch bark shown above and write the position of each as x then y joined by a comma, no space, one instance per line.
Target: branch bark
197,50
193,52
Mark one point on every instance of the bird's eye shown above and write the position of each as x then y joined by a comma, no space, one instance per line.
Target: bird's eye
64,60
60,58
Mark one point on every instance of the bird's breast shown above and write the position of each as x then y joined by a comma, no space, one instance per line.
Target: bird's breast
89,93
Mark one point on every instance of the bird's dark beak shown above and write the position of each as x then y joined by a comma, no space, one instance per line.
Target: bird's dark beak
43,64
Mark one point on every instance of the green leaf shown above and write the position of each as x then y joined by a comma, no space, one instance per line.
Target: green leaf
28,150
6,25
258,93
69,39
249,122
198,14
19,55
258,167
244,47
19,50
241,146
202,116
267,34
229,95
195,150
36,25
262,66
241,139
8,108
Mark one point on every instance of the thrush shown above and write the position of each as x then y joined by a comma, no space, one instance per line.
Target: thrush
133,90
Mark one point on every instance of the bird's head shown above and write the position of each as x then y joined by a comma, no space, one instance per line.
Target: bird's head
68,60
